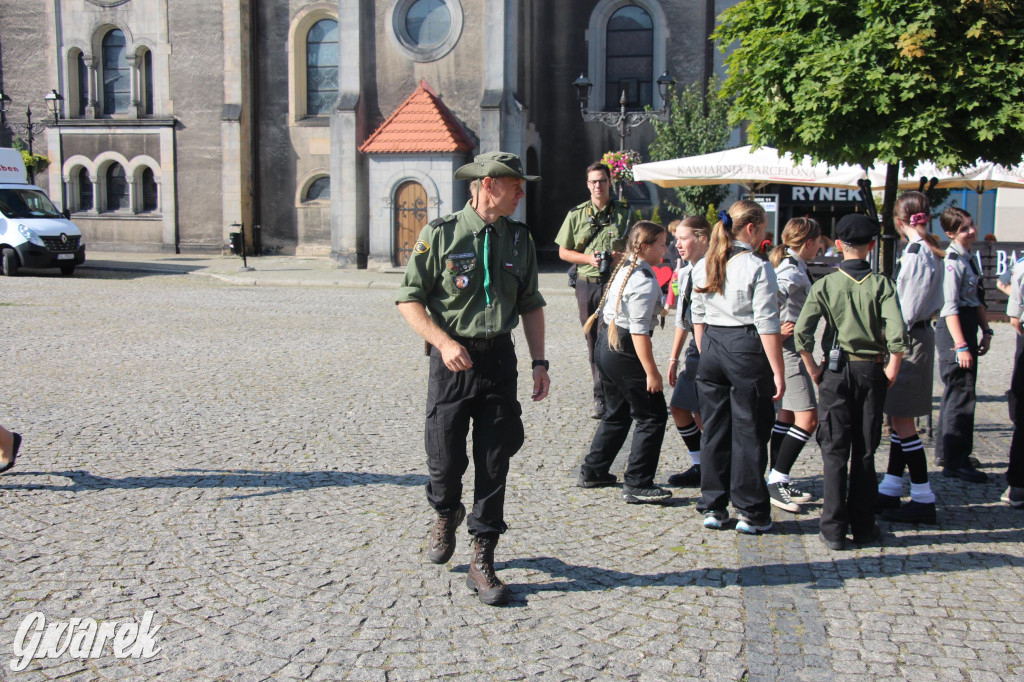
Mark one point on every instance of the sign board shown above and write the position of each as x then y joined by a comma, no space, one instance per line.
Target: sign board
12,167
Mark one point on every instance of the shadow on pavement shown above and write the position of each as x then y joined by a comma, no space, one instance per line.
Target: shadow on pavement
274,481
816,575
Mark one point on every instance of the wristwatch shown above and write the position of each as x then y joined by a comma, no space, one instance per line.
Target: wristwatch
541,363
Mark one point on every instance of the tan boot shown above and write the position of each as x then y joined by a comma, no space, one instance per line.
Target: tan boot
442,537
481,578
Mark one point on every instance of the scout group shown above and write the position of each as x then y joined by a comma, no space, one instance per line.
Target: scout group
751,387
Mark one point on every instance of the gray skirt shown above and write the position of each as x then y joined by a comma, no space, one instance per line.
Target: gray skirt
684,396
911,395
799,395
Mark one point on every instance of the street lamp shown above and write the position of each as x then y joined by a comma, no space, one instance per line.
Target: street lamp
5,104
54,100
622,119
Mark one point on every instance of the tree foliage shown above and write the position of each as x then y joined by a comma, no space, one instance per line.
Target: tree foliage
689,131
893,80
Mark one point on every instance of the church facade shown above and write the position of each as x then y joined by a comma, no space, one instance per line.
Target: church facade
332,126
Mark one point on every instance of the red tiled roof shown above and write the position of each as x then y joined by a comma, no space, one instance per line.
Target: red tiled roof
422,123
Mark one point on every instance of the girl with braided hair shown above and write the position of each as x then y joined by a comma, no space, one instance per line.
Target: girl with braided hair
797,417
919,287
735,313
632,384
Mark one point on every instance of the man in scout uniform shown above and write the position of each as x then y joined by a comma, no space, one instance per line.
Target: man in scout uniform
471,276
864,321
590,232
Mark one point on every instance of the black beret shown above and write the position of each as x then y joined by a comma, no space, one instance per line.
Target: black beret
856,229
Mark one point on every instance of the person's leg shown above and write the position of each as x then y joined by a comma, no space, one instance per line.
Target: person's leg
614,427
834,439
447,425
588,295
716,443
869,396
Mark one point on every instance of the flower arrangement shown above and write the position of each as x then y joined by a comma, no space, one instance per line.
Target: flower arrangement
621,164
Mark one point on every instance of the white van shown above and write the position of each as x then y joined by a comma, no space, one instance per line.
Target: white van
33,233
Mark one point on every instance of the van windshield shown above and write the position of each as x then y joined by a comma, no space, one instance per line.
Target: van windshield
27,203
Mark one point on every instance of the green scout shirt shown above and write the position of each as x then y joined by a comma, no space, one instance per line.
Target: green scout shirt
861,304
613,224
446,274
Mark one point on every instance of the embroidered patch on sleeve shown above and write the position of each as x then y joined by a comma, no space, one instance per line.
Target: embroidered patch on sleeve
421,247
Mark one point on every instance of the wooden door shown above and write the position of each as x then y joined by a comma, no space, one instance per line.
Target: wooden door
410,217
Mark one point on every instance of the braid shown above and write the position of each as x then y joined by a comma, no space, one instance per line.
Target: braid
600,305
613,329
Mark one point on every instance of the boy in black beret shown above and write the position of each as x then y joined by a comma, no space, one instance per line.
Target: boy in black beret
853,378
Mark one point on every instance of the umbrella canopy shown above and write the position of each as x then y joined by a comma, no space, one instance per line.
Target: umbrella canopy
746,166
981,177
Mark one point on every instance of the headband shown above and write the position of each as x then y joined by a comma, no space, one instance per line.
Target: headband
726,220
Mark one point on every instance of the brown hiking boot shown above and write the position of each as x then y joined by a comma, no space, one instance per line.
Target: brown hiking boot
481,578
442,537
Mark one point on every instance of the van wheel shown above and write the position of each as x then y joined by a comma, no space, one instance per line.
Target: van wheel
9,261
67,269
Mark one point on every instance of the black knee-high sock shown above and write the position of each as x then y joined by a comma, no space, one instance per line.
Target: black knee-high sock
792,444
897,462
917,462
779,431
691,436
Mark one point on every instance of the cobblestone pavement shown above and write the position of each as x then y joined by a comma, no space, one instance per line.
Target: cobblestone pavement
246,463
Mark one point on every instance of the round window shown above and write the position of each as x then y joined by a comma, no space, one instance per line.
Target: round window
425,30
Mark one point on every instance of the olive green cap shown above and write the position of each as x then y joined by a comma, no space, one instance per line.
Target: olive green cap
494,165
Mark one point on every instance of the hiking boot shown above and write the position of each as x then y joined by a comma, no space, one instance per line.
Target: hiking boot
442,537
481,578
885,502
778,495
688,479
1014,497
599,482
749,526
598,410
650,495
837,545
715,519
797,495
912,512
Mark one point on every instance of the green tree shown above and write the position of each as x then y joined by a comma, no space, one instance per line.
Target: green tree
697,125
892,80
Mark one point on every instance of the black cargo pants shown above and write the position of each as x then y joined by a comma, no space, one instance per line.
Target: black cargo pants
485,394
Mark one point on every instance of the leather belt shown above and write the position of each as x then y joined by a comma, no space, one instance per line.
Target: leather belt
921,324
593,280
864,358
480,344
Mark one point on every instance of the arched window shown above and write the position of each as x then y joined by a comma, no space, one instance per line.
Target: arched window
146,82
82,71
629,60
85,201
321,67
150,193
319,189
117,80
117,188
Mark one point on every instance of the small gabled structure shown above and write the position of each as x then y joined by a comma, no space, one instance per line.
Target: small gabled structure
412,157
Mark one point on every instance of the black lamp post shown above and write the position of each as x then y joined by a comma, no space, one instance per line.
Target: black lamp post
29,129
622,119
54,100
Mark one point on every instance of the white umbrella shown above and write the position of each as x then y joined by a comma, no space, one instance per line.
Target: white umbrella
749,167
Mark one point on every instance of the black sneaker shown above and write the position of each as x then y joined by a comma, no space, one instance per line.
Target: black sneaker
873,536
779,497
837,545
797,495
885,502
1014,497
965,474
651,495
912,512
599,482
688,479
